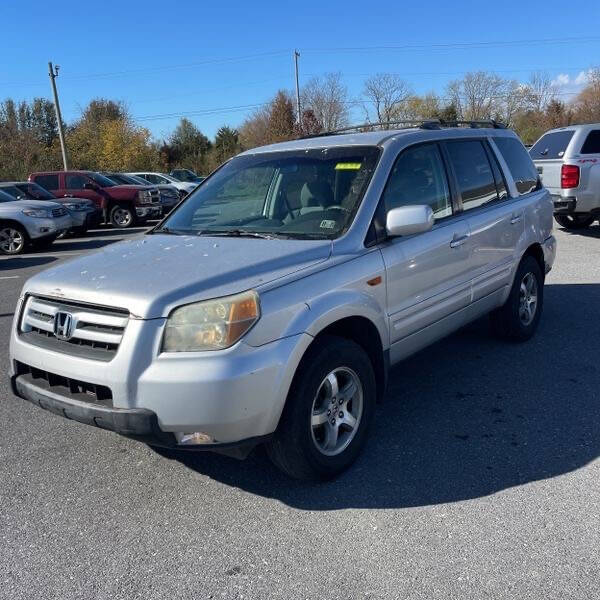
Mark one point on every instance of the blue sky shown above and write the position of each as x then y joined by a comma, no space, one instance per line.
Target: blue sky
168,59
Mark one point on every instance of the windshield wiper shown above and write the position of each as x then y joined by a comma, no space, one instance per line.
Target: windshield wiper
168,231
236,233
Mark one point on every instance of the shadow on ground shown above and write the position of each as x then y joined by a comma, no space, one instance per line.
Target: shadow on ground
24,262
593,231
467,417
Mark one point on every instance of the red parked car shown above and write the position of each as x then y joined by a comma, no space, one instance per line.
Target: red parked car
121,205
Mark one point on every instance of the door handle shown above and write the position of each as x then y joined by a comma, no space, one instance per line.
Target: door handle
516,219
459,241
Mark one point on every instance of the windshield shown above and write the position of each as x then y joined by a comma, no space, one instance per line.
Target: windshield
302,193
125,179
184,175
28,191
551,145
101,180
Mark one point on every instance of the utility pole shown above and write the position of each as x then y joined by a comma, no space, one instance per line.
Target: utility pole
53,73
296,55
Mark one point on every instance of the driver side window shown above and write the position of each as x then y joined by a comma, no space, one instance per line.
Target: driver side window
419,177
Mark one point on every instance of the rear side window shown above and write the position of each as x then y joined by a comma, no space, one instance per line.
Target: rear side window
419,177
519,164
473,172
75,182
551,145
50,182
592,143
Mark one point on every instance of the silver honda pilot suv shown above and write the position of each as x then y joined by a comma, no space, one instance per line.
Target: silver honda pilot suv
270,305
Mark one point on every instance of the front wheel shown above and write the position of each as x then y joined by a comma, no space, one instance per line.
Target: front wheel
575,221
519,317
121,216
13,239
328,411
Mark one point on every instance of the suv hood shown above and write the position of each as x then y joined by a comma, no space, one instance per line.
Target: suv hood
153,274
25,204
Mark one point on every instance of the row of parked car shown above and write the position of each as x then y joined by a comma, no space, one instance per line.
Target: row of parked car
53,204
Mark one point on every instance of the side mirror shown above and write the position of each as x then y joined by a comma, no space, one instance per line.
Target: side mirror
408,220
88,185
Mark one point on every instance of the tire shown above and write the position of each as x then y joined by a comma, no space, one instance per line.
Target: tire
518,319
574,221
13,239
304,445
121,216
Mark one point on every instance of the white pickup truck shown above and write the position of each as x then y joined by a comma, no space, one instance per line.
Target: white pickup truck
568,161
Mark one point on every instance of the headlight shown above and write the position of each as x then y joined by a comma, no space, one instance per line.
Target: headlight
75,207
211,325
40,213
145,197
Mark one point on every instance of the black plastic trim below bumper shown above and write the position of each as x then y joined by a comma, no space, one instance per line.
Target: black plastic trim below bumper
138,423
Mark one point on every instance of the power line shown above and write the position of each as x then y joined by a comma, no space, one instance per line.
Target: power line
458,45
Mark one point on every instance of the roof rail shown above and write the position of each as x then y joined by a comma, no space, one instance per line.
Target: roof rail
407,124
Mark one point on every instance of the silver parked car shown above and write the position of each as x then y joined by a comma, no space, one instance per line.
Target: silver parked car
29,222
270,305
568,160
184,187
83,212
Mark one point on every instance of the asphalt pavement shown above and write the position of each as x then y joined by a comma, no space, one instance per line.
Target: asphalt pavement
481,480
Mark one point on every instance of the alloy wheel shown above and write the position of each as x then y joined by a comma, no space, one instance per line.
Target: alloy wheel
336,411
12,240
528,299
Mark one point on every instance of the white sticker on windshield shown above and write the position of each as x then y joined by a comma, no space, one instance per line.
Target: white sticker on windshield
327,224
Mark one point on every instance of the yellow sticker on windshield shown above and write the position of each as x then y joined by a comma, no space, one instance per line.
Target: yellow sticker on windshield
347,166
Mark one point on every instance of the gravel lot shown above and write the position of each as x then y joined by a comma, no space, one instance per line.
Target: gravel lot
481,480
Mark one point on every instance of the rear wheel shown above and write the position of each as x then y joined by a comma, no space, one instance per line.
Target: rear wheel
121,216
575,221
327,415
518,319
13,239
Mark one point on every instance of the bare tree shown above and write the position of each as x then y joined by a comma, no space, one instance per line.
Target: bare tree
481,95
327,98
385,96
541,91
587,103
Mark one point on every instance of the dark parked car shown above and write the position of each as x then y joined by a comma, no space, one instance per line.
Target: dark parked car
84,213
169,194
121,205
187,175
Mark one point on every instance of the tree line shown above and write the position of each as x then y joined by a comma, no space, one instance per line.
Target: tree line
106,137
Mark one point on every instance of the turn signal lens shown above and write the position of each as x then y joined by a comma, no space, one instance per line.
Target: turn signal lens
211,325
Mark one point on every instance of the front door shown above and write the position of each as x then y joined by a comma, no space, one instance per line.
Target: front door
428,274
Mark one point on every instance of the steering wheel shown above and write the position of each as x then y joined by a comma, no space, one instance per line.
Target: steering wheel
338,207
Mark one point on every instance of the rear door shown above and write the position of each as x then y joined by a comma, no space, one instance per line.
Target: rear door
496,222
428,274
49,181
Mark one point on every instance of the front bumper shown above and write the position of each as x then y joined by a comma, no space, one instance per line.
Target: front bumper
229,396
40,228
151,211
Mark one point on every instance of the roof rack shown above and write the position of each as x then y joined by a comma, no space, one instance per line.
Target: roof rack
408,124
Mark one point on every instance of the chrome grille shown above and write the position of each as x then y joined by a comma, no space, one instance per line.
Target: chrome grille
59,212
94,332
